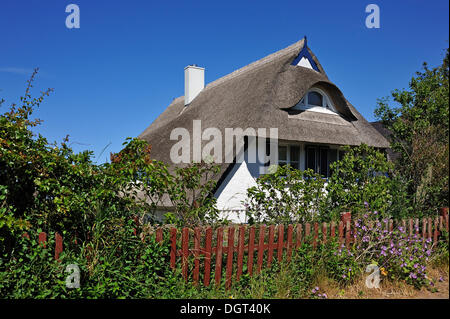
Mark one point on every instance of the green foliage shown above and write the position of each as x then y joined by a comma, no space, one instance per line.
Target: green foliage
420,134
364,178
286,196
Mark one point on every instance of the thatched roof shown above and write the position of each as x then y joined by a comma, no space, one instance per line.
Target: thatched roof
259,95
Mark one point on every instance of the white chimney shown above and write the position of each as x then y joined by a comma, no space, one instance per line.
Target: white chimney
194,82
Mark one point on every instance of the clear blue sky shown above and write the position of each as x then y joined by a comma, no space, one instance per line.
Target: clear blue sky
122,68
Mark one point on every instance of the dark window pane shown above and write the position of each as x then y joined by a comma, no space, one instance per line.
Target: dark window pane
282,153
315,98
311,158
294,165
295,153
324,162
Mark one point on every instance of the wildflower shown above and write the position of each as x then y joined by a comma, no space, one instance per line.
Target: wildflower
441,279
383,271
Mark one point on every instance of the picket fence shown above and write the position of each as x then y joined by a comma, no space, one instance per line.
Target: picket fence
208,244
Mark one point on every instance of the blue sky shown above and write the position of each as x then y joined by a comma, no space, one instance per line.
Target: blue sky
122,68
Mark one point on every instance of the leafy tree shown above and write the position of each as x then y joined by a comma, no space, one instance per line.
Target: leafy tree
420,134
364,178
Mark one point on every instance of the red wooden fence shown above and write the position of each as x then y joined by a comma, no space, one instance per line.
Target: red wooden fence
240,240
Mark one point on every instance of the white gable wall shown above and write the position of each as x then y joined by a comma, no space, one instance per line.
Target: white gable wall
305,63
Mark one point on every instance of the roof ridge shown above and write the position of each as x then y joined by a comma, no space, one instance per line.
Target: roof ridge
257,63
251,66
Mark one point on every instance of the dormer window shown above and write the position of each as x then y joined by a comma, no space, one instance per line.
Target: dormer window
316,100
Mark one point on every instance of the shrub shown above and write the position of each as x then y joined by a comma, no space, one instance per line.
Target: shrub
286,196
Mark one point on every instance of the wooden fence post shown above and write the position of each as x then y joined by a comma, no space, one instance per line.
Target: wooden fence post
208,253
347,234
299,236
262,231
270,245
251,250
43,239
316,234
240,252
289,242
219,248
173,247
230,254
196,254
324,233
341,232
184,252
58,245
280,242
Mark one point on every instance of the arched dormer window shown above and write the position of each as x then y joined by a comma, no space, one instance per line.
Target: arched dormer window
316,100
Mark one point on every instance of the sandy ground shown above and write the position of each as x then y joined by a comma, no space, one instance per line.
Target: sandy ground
390,290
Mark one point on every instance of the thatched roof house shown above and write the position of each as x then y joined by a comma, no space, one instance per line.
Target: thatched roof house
288,90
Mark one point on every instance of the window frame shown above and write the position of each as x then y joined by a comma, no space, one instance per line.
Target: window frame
288,160
326,106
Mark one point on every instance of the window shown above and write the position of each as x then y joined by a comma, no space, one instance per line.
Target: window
289,155
319,158
316,100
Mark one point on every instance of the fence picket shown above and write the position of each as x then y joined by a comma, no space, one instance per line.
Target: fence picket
289,242
185,252
430,227
299,236
341,232
347,234
262,231
240,252
316,234
173,247
230,254
208,253
58,245
159,235
307,232
424,228
218,268
196,254
271,245
324,232
43,239
436,230
280,242
251,250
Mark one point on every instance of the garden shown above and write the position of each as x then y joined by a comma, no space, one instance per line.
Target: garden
105,213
